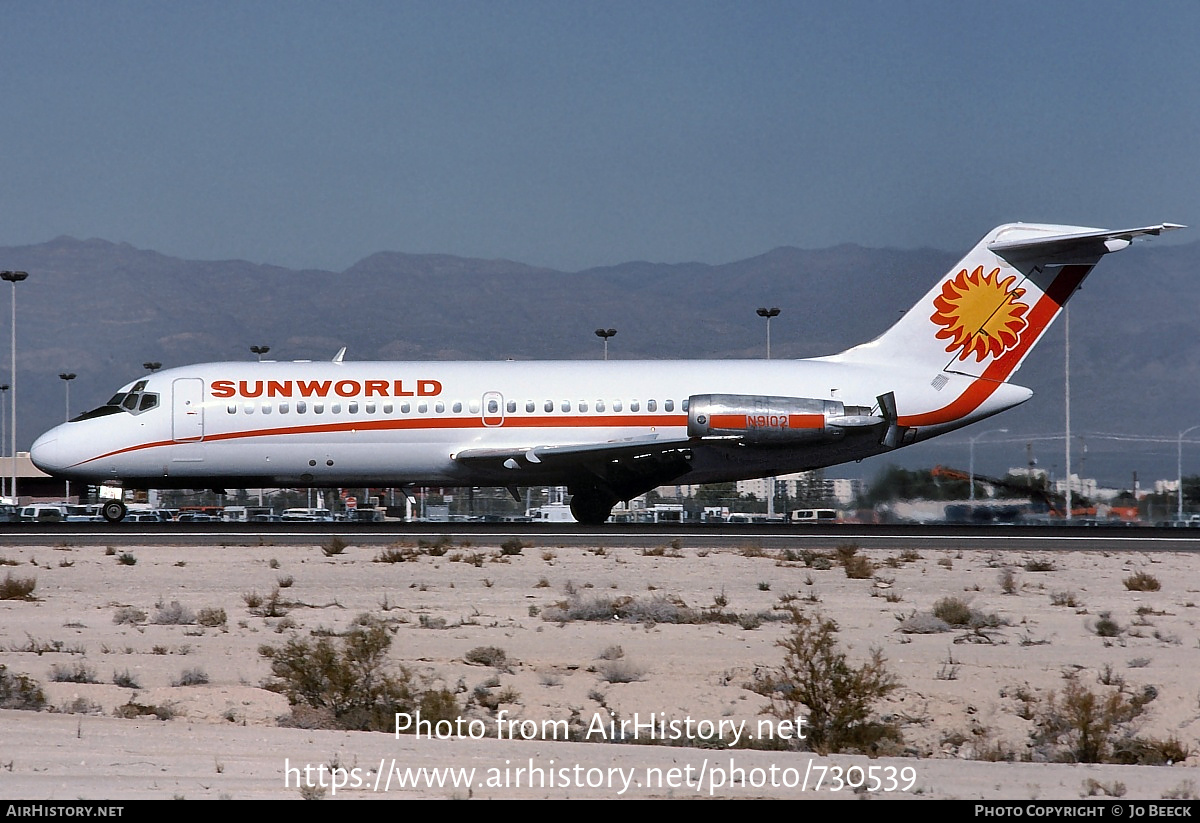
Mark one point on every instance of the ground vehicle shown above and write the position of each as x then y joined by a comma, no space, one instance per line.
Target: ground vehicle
307,516
607,430
812,516
43,513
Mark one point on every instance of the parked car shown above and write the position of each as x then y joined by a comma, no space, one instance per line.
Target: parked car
43,513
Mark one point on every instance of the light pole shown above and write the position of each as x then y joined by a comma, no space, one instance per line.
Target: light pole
14,277
604,334
1067,398
1179,472
152,366
260,351
3,433
768,314
67,377
972,462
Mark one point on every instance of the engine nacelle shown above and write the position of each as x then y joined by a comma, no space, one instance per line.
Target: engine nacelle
759,419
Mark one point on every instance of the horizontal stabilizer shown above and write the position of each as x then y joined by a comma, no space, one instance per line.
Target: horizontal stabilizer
1076,248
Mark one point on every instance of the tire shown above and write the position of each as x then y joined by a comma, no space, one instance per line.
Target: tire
591,508
113,511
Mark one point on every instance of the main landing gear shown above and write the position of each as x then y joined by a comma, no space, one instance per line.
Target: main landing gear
113,511
592,506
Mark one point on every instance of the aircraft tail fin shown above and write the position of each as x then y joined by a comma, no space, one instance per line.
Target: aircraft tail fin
985,315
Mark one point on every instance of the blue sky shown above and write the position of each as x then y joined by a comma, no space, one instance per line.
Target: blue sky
577,134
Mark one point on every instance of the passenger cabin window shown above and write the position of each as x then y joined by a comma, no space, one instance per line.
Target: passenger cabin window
512,406
599,405
669,405
301,407
529,406
549,407
616,405
405,408
651,405
457,407
634,406
387,408
440,408
352,408
371,407
583,405
283,408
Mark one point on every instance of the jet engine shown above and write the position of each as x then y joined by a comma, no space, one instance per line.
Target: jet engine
774,420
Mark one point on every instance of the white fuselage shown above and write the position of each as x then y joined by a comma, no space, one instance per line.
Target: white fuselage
394,423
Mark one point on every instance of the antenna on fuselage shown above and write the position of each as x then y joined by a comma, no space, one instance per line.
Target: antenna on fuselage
337,358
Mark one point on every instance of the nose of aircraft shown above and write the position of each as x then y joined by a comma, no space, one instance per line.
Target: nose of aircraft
47,452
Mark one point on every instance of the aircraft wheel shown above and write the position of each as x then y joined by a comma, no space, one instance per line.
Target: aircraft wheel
591,507
113,511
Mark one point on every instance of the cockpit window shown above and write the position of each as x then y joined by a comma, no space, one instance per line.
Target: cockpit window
134,401
110,408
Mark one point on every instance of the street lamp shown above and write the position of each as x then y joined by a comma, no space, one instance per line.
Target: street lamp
152,366
604,334
1179,472
67,377
972,463
14,277
768,314
260,351
3,433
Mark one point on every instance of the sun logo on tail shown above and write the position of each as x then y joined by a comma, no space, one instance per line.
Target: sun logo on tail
979,314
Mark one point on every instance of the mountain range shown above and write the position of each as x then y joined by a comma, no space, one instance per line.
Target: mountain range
101,309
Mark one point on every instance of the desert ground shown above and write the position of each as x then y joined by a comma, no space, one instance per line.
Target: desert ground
151,662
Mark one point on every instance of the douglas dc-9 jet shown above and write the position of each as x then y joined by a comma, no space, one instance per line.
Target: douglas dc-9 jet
608,430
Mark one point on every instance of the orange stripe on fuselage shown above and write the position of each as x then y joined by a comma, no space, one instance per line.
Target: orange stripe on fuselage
418,424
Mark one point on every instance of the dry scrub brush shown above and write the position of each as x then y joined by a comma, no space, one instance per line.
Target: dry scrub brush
348,682
837,700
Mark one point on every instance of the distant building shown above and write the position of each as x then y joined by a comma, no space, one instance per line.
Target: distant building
1166,486
806,487
1083,486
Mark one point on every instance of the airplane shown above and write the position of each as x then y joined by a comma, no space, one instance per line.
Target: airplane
607,430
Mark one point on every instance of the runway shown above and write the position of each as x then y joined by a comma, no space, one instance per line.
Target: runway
776,537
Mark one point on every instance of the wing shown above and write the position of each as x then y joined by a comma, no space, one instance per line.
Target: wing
554,456
625,467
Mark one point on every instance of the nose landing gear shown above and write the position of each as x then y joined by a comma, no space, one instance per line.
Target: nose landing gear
113,511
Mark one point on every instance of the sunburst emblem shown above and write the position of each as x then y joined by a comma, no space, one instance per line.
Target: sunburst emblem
980,314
